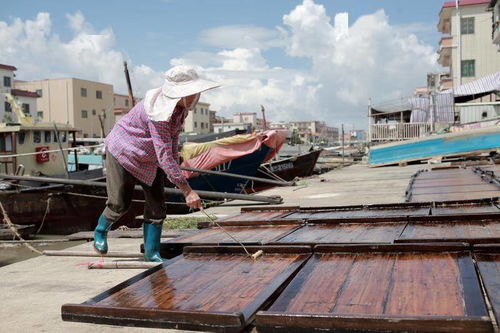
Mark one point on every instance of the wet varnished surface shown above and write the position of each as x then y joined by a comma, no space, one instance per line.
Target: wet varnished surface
255,216
356,214
489,268
451,184
261,234
470,231
413,284
387,291
378,232
465,209
198,291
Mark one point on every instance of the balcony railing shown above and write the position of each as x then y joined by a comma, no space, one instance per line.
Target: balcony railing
398,131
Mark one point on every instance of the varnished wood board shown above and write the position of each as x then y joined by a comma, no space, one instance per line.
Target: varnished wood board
255,216
489,269
455,196
378,232
473,231
439,189
254,234
214,290
429,291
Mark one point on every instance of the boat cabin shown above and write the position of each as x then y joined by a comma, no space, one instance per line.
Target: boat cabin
34,147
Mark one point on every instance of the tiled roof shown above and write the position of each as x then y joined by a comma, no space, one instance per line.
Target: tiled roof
466,3
25,93
8,67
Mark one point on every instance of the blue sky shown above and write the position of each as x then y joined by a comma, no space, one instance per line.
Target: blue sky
150,34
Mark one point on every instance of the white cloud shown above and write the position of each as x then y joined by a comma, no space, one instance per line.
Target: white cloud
374,59
39,53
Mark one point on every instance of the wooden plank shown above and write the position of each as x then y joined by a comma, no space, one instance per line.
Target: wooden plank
455,196
389,288
474,231
261,234
214,291
379,232
489,269
254,216
439,189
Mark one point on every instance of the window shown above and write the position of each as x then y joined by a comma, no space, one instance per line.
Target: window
20,137
83,92
39,92
26,108
98,94
195,124
202,125
6,81
85,114
48,137
85,135
8,107
93,112
194,110
126,102
468,68
37,136
467,25
5,142
39,114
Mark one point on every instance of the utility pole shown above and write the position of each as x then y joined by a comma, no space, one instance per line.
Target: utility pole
342,144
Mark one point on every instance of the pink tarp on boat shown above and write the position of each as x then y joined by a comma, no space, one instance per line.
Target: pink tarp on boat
210,154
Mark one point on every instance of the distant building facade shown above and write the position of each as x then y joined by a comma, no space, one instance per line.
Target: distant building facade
80,103
225,127
466,45
198,119
121,105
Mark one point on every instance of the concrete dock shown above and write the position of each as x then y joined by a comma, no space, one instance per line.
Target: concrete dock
34,290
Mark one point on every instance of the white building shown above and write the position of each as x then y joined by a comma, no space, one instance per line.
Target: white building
26,99
225,127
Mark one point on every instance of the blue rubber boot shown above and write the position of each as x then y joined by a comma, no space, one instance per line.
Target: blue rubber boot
152,236
101,235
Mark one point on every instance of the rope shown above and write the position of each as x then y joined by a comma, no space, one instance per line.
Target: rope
47,210
214,221
7,221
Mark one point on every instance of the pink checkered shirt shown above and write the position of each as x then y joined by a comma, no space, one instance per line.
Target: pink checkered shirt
141,145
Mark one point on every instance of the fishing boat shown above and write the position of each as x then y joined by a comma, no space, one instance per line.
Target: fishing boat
470,141
287,169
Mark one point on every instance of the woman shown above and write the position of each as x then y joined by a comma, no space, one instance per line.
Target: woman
142,142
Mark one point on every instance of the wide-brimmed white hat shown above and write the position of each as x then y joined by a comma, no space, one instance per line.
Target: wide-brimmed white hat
180,81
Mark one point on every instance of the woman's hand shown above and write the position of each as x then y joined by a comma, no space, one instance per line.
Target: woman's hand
192,198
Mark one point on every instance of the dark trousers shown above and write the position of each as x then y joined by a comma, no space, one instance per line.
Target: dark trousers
120,187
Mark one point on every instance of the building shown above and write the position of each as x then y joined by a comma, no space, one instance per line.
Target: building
122,105
226,127
246,118
198,119
495,8
27,100
86,105
466,45
314,131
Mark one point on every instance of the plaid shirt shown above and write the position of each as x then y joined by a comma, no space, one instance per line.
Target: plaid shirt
141,145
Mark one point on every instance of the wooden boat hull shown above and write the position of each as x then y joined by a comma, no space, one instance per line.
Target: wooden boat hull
70,213
287,169
461,143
